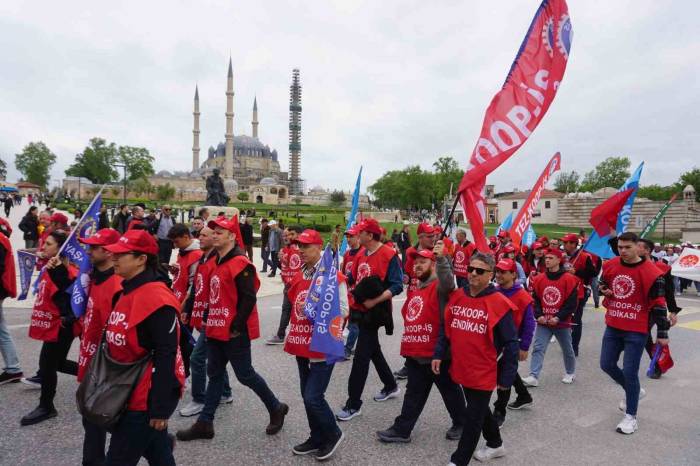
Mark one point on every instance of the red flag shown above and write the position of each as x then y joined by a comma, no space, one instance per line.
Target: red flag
604,217
522,221
519,106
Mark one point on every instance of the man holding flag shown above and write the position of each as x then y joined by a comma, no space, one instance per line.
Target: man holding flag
315,367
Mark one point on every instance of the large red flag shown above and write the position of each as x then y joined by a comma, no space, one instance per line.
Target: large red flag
522,221
604,217
517,109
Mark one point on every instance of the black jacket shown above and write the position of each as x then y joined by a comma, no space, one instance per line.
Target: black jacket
379,315
30,226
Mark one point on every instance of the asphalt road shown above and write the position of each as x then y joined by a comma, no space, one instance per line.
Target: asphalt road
567,425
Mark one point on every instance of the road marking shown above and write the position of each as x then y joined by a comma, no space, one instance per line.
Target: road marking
686,311
18,326
693,325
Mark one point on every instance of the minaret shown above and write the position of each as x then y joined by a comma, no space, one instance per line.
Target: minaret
195,132
228,160
255,117
295,182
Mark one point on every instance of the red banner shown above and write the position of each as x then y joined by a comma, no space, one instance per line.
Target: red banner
522,221
517,109
604,216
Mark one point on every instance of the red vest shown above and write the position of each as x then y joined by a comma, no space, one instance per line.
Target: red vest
375,264
9,277
133,222
182,272
522,299
553,293
122,336
348,265
628,308
579,262
461,259
469,324
46,316
663,266
223,298
421,318
97,310
201,290
290,263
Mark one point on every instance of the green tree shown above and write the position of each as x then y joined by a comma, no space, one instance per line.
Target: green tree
610,173
165,192
3,170
567,182
337,197
690,178
656,192
242,196
35,162
411,187
447,174
138,161
96,162
140,186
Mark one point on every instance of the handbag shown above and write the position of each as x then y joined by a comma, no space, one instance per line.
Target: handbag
104,392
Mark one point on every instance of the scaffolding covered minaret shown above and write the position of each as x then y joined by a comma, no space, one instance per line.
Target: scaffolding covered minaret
296,184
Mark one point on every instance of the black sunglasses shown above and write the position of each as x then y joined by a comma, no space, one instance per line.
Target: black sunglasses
478,270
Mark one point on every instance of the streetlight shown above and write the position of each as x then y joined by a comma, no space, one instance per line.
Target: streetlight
122,165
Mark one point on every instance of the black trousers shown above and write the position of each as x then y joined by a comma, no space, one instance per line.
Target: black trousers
478,419
420,381
285,316
186,346
368,350
134,438
93,444
52,360
165,250
577,329
503,396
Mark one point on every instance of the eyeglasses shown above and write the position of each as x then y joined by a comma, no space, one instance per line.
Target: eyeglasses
478,270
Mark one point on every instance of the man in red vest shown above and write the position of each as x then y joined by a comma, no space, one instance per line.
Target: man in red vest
479,327
8,289
634,297
354,248
581,265
232,322
556,294
463,252
422,327
290,264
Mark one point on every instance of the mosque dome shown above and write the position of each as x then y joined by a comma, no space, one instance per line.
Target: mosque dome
267,181
230,185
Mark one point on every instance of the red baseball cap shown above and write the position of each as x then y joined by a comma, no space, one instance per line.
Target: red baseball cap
425,228
352,231
508,249
537,245
554,252
503,234
370,225
437,229
5,225
310,236
492,239
58,217
428,254
573,237
507,265
103,237
134,241
231,225
542,239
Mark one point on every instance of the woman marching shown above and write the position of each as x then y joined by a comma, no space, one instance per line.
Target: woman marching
52,322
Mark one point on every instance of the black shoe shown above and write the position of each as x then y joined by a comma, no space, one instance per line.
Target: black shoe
402,373
277,419
657,372
329,448
520,403
6,377
305,448
198,430
391,435
500,417
33,382
39,414
272,274
455,432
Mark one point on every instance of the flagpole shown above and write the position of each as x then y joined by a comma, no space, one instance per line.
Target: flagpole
449,217
80,223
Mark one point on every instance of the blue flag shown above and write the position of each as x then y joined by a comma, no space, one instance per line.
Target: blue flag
506,223
597,244
322,308
26,261
529,237
353,212
76,252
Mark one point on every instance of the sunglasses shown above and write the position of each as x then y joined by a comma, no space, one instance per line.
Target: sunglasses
478,270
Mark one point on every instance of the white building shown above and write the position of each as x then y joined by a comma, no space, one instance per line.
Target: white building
545,212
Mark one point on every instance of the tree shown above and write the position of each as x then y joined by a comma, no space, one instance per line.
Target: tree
165,192
411,187
35,162
567,182
337,197
656,192
242,196
3,170
447,173
96,162
138,161
690,178
610,173
140,186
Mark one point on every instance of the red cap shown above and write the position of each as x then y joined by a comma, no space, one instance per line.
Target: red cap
103,237
537,245
352,231
58,217
554,252
503,234
492,239
507,265
542,239
370,225
437,229
231,225
573,237
425,228
428,254
310,237
5,225
507,249
383,230
134,241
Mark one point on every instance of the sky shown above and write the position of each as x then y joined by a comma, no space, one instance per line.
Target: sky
385,84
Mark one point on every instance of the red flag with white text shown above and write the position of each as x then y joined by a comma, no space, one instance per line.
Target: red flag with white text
517,109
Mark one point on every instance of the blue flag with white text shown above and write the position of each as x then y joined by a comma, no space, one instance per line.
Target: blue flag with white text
353,212
26,261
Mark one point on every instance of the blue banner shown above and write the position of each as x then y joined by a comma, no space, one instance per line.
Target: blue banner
26,261
506,223
353,212
529,237
597,244
322,308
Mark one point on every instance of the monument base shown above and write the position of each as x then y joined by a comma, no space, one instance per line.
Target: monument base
215,209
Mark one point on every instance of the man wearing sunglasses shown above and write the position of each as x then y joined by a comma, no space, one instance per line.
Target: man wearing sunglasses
479,327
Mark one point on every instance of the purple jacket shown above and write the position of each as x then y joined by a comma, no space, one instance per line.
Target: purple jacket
527,326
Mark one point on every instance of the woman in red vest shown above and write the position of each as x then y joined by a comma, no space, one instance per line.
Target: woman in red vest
52,322
8,289
144,320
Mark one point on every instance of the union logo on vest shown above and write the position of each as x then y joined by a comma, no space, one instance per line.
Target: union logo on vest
551,296
214,288
414,308
623,286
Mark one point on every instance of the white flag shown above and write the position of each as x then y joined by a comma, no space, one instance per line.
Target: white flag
687,265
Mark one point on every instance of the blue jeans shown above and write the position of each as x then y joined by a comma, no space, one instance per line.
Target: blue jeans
198,371
133,438
594,291
7,347
353,332
616,341
542,336
265,256
314,378
237,352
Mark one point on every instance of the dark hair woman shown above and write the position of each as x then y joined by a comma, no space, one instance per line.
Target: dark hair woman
30,227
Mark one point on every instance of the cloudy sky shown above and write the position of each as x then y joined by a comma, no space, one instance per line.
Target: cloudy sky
386,84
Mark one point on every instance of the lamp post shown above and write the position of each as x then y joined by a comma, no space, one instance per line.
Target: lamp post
122,165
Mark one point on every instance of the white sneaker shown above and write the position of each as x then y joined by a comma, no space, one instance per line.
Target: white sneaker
553,339
568,378
488,453
623,404
628,425
193,408
226,400
531,381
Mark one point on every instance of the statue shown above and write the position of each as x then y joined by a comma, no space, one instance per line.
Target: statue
216,194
